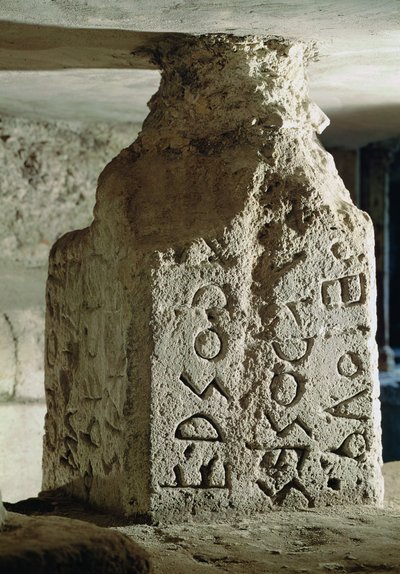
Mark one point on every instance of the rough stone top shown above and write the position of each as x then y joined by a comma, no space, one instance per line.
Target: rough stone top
354,81
231,81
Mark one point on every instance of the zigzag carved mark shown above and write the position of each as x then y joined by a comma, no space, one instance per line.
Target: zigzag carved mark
279,497
286,430
206,393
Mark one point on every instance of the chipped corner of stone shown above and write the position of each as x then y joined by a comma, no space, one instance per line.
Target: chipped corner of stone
3,514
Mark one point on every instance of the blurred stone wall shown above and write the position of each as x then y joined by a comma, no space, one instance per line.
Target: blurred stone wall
48,179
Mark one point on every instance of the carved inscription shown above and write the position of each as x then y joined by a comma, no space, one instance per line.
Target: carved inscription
198,427
351,408
206,390
349,290
287,389
284,471
354,446
199,473
284,389
349,365
293,350
208,344
280,467
288,424
202,465
209,297
281,477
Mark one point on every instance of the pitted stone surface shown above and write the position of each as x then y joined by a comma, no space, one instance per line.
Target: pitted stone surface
47,186
3,514
48,181
49,544
210,346
21,354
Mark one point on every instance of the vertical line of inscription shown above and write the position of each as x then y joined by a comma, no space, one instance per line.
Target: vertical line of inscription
286,391
203,465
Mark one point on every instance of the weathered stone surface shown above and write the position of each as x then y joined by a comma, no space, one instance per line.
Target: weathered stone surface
48,180
341,539
3,514
21,446
21,354
8,360
52,544
354,539
210,338
47,187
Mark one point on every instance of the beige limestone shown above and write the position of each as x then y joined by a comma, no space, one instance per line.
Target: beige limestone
45,545
48,179
355,79
316,541
47,187
21,354
7,358
319,541
21,440
210,338
3,513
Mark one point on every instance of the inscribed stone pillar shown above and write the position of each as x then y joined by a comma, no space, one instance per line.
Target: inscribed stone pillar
210,337
375,162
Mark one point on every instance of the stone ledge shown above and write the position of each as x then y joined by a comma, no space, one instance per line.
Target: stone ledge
53,544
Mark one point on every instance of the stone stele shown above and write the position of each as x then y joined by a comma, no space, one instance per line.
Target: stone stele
210,337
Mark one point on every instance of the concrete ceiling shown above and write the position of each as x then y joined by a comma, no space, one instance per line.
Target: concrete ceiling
76,60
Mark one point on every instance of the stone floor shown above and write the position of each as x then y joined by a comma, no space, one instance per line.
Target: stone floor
356,540
340,540
287,542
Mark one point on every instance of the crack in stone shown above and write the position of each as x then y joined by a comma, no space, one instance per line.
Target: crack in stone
16,360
